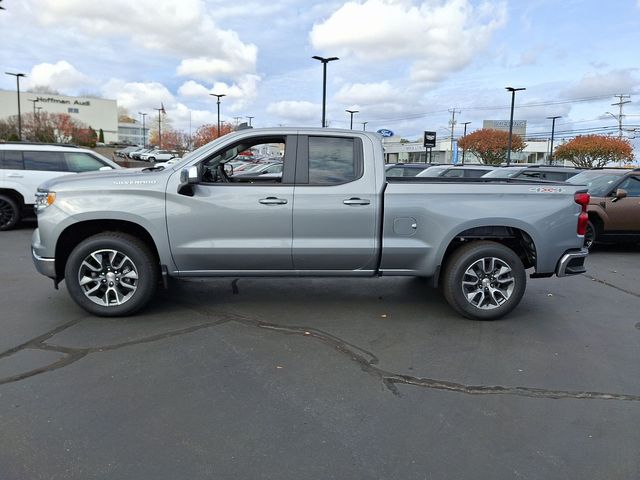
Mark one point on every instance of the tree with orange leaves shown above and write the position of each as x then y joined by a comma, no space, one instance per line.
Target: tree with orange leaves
490,145
209,132
595,151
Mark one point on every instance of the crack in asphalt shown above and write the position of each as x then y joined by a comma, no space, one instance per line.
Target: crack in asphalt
604,282
366,360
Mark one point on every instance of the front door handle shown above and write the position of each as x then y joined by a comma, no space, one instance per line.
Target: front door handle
273,201
356,201
14,175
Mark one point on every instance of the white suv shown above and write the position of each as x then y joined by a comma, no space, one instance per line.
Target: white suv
157,155
24,166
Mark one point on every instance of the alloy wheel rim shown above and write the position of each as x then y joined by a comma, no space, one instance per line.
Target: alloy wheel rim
488,283
108,277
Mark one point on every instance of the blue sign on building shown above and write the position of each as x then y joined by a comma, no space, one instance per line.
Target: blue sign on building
385,133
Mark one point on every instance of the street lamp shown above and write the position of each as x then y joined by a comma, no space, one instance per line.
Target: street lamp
324,83
464,135
18,75
513,99
144,137
553,131
351,112
250,118
34,105
364,126
218,96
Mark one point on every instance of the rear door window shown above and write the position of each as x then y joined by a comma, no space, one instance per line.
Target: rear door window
632,186
11,160
44,161
333,160
82,162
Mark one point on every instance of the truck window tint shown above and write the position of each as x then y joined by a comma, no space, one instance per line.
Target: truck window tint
632,186
331,160
11,160
454,173
44,161
556,176
472,173
82,162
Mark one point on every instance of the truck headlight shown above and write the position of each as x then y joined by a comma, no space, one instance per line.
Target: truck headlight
44,199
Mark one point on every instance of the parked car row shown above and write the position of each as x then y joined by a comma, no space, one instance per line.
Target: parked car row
144,154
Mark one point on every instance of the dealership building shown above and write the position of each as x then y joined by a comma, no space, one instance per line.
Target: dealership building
97,113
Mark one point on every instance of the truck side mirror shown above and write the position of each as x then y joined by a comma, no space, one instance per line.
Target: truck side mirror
619,194
188,178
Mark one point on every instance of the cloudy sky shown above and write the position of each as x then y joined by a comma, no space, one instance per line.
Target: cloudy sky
403,63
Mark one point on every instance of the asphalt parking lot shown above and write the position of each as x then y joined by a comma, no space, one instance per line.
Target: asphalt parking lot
330,378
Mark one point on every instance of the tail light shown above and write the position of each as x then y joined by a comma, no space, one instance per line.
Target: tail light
582,199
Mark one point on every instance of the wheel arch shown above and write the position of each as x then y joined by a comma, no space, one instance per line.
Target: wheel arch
14,194
515,238
72,235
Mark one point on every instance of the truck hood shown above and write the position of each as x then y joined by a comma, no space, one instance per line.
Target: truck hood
106,179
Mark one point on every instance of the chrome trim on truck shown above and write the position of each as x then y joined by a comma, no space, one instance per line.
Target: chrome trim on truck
572,263
46,266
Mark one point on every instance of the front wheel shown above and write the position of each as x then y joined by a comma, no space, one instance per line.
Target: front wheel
590,235
111,274
484,280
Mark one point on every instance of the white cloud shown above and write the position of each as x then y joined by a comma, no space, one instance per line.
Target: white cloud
59,76
367,93
136,96
608,83
440,37
239,94
184,29
295,111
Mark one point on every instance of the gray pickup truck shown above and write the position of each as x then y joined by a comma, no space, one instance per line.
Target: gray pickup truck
116,236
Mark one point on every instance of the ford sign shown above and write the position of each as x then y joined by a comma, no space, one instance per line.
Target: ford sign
384,132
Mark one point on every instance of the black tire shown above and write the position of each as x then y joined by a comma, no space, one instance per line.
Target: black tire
151,159
505,290
114,280
9,212
590,236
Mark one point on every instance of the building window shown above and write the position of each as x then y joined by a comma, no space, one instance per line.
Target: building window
73,110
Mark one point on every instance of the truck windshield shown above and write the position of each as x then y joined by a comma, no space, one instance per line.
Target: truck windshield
433,171
502,173
599,184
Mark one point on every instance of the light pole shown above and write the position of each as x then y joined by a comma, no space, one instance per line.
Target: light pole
18,75
351,112
513,99
250,118
619,120
34,105
324,83
218,96
144,136
553,131
364,126
464,135
160,110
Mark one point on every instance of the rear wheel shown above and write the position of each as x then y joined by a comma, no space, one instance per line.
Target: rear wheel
484,280
112,274
9,212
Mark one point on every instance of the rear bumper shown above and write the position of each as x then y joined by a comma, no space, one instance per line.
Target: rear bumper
572,263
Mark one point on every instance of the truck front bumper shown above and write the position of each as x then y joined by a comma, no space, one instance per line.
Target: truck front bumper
572,263
46,266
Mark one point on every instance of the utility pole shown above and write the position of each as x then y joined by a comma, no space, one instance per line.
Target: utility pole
250,118
553,131
453,124
464,135
619,104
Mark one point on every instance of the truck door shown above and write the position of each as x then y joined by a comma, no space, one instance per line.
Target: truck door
624,213
238,223
335,223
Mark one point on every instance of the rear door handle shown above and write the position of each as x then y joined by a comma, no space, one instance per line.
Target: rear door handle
356,201
273,201
14,175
